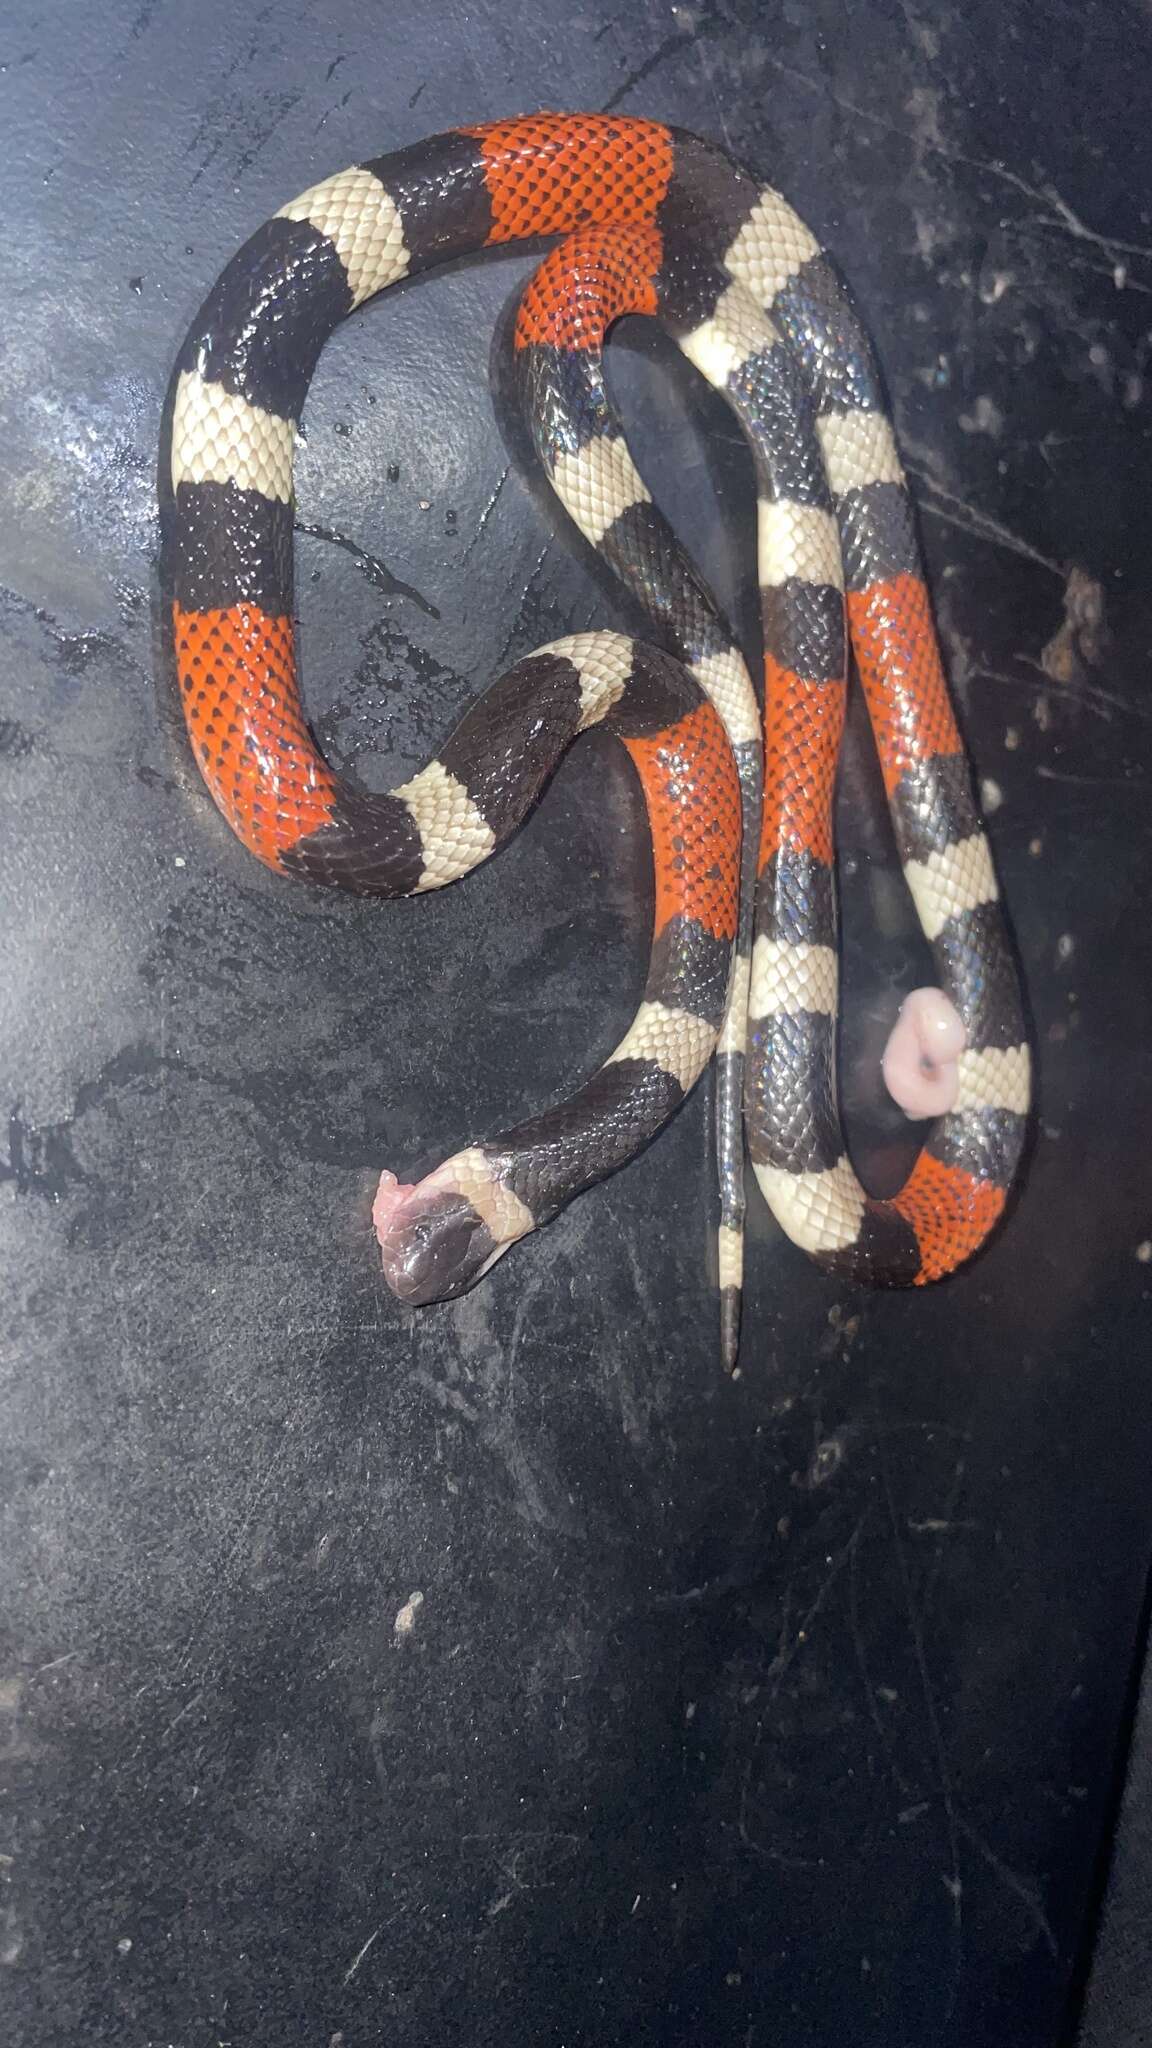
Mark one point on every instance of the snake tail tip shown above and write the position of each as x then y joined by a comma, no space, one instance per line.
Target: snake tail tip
730,1327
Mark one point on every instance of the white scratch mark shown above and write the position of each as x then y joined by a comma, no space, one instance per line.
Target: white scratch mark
1060,213
354,1965
946,506
1015,1883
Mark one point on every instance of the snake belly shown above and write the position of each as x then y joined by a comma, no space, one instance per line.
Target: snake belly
659,222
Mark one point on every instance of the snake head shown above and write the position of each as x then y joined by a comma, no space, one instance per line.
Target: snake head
434,1243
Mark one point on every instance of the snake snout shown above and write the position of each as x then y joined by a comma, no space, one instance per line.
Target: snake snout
433,1247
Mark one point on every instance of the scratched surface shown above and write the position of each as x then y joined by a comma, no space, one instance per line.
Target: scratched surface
505,1674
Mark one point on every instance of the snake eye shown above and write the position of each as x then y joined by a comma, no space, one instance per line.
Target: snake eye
433,1247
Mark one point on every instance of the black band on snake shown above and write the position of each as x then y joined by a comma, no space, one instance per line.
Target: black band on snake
744,953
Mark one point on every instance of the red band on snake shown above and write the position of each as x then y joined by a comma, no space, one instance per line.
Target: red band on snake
660,223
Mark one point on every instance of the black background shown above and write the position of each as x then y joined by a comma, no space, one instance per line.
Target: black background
782,1710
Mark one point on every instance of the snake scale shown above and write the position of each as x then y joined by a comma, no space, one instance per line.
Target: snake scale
744,953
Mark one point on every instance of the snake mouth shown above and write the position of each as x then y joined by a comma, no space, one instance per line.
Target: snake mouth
433,1244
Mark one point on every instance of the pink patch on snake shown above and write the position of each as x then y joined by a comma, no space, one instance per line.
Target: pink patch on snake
433,1242
391,1198
920,1058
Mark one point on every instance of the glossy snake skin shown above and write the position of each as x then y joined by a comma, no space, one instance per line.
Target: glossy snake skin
657,222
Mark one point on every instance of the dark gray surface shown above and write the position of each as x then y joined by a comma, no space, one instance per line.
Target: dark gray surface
776,1711
1118,2005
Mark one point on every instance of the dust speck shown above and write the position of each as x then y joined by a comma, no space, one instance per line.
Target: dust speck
993,286
984,418
1083,639
405,1621
827,1459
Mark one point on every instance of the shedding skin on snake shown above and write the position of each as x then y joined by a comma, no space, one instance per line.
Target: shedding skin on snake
658,222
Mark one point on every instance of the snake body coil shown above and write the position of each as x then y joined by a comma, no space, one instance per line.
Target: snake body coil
657,222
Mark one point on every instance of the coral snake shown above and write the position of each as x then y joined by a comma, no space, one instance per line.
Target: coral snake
744,955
